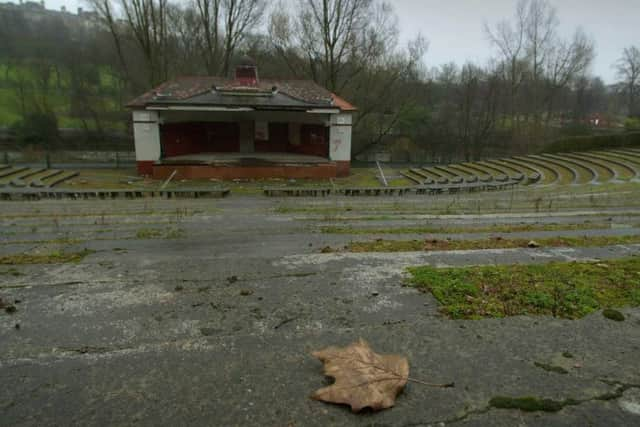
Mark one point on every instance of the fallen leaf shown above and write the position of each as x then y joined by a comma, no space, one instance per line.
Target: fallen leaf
363,378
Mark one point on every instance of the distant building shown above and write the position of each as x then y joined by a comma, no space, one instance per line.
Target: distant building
245,127
35,12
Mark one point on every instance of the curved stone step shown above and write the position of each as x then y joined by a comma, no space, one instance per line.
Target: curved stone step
615,176
12,170
530,175
594,177
621,162
446,173
553,175
411,177
512,173
439,177
630,154
50,173
575,176
469,176
426,179
483,174
58,179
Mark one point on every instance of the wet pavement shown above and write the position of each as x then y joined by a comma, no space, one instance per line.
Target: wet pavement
213,324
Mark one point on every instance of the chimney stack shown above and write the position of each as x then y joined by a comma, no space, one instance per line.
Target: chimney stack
247,72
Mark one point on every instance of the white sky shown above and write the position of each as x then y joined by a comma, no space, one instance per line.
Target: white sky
454,28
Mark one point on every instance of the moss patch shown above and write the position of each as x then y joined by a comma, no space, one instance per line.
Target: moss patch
457,230
567,290
551,368
613,315
159,233
11,272
50,258
382,245
529,404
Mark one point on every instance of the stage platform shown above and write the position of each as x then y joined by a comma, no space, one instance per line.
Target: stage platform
229,166
242,159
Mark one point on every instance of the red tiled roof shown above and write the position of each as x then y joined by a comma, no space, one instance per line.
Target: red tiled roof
340,102
184,88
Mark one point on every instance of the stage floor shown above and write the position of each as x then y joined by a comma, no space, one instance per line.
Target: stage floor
243,159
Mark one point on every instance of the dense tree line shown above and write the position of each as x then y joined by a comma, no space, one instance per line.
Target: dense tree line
535,87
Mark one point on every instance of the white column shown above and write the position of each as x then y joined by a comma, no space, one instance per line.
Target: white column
340,137
146,135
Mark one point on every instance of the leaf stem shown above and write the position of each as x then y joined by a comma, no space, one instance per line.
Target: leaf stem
447,385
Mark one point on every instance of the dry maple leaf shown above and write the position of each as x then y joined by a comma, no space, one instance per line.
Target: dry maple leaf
363,378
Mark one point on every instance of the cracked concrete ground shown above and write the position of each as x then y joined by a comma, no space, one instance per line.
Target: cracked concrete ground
215,327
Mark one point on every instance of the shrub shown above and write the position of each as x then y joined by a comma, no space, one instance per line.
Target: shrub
632,124
38,128
593,142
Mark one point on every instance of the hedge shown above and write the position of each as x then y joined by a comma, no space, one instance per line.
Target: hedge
593,142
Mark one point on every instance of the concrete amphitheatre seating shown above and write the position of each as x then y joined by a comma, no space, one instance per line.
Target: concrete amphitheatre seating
561,167
621,163
584,173
508,170
104,194
483,174
426,179
589,167
468,176
606,170
439,177
25,177
386,191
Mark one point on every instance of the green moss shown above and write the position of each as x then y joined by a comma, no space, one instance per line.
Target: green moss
50,258
159,233
551,368
528,404
11,272
567,290
614,315
458,230
381,245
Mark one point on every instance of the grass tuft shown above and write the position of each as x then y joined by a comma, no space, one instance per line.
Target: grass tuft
50,258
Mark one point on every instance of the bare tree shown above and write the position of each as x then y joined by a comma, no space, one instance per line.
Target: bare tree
104,9
240,16
208,13
341,38
186,41
565,62
510,41
147,21
628,67
477,110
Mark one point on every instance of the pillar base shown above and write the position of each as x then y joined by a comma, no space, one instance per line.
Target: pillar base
145,167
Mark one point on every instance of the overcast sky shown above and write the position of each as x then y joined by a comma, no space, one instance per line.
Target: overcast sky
454,28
